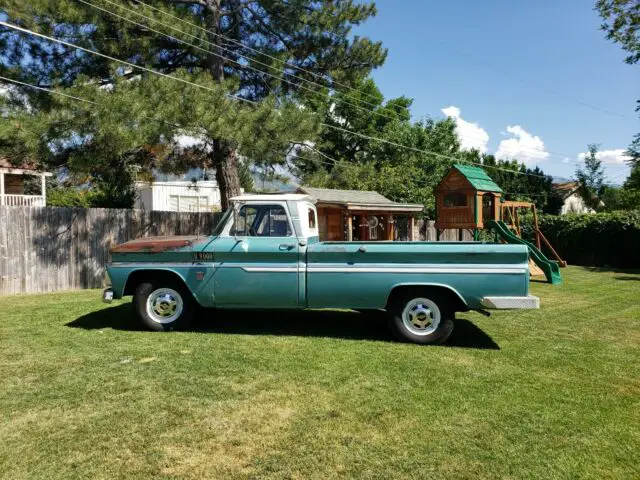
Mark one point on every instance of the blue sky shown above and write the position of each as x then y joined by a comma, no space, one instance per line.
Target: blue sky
517,74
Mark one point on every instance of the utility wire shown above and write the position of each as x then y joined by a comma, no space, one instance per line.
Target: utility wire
332,161
542,89
284,62
249,67
124,62
334,127
558,154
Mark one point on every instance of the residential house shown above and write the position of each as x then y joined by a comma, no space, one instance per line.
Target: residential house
572,202
12,185
178,196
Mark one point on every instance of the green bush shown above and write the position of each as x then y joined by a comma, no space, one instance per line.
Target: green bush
71,197
600,239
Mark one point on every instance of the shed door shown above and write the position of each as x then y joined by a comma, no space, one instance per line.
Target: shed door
335,228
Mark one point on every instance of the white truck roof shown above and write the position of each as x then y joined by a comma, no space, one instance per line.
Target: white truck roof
274,197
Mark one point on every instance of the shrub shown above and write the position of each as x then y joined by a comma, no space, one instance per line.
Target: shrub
601,239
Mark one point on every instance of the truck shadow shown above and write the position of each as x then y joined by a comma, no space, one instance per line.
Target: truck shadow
312,323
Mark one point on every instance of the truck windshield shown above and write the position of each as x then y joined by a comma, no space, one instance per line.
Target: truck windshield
262,221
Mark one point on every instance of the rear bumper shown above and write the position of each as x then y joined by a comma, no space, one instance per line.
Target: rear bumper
511,303
107,295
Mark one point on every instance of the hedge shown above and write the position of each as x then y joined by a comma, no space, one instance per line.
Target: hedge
601,239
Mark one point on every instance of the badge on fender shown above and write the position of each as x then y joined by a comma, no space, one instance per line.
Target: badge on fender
203,256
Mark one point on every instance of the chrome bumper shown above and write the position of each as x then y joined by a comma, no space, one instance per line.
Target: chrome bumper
107,295
510,303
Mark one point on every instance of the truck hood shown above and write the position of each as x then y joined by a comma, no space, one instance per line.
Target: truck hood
160,244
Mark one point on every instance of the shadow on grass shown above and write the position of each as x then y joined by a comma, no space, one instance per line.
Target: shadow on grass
627,271
310,323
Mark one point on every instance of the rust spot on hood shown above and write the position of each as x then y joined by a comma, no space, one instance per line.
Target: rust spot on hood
157,244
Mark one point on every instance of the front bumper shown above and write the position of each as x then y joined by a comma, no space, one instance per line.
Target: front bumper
511,303
107,295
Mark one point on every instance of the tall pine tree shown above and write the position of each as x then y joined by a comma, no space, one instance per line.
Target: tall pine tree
250,49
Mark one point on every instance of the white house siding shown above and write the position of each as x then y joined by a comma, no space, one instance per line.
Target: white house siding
574,204
178,196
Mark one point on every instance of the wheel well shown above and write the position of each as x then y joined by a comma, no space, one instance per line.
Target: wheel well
139,276
446,293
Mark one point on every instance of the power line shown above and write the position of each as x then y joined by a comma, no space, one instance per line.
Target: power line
217,54
36,87
124,62
563,155
436,154
284,62
542,89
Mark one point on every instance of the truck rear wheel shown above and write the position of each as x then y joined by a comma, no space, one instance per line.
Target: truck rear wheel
421,318
164,306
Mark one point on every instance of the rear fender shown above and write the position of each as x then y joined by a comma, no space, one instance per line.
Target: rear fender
463,303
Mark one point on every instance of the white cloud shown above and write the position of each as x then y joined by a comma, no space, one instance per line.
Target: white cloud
471,135
613,157
522,146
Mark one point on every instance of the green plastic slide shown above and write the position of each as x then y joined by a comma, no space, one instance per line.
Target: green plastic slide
550,268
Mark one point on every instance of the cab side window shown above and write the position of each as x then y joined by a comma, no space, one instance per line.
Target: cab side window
262,221
312,219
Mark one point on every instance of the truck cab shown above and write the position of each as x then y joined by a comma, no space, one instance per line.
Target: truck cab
266,254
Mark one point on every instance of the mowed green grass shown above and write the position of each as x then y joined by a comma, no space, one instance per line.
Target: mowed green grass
553,393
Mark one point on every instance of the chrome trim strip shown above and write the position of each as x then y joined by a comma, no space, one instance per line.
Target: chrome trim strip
292,269
419,265
155,264
518,270
339,268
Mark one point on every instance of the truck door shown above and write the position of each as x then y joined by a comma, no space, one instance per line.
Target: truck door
257,264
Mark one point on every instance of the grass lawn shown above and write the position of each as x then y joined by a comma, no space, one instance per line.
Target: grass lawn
553,393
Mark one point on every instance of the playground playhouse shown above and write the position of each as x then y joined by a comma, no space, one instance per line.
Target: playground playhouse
468,199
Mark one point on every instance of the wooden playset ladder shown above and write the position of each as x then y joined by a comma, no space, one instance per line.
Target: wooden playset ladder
512,219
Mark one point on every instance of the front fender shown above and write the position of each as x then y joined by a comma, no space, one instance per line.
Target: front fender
193,276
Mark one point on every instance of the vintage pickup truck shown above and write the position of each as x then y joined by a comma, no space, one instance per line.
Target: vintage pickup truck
265,254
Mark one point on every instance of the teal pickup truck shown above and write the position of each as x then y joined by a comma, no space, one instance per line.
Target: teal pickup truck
265,254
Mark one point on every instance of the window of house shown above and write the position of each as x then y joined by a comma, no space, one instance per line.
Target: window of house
188,203
455,199
262,221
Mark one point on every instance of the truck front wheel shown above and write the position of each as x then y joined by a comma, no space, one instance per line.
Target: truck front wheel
164,306
423,319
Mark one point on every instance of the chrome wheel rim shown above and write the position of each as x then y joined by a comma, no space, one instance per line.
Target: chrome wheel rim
164,305
421,316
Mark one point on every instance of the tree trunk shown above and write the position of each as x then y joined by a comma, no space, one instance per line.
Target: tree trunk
226,162
224,153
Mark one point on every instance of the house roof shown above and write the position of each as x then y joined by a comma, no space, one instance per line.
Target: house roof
358,199
270,197
566,189
478,178
5,163
24,168
328,195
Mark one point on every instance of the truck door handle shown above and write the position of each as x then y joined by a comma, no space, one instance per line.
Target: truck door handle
362,249
286,246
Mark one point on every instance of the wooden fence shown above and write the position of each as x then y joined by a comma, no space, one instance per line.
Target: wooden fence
49,249
45,249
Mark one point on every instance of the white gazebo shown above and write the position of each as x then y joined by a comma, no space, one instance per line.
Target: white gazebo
12,185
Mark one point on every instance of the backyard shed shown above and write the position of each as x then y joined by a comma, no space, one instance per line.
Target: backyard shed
465,199
360,215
